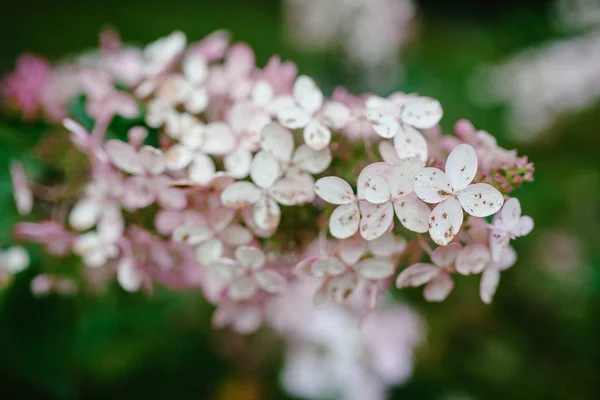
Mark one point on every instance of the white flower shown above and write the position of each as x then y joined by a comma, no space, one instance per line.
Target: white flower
508,224
95,249
453,191
14,259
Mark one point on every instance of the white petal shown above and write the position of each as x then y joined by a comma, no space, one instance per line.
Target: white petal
209,251
499,241
250,257
270,281
511,213
444,256
488,284
242,288
461,166
236,235
344,221
445,221
123,156
85,214
439,288
525,226
473,259
14,259
412,213
409,142
262,93
192,234
417,275
178,157
377,190
480,199
316,135
197,101
383,246
128,276
388,152
293,117
432,185
327,266
267,213
375,219
265,169
293,190
384,124
422,113
195,68
277,140
152,159
378,168
375,269
240,195
336,115
227,268
21,190
312,161
507,260
111,225
341,287
352,249
218,139
238,162
202,169
334,190
403,174
307,94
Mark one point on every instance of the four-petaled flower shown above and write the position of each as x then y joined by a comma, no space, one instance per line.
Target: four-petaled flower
507,225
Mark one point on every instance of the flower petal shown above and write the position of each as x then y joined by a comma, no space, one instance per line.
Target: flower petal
293,117
377,190
123,156
488,284
240,195
277,140
197,101
376,219
152,160
422,113
316,135
270,281
242,288
227,268
409,142
236,235
265,169
312,161
327,266
85,214
432,185
250,257
344,221
375,269
445,221
525,226
472,259
218,138
238,162
341,287
511,213
307,94
191,234
334,190
417,275
178,157
336,115
412,213
480,199
128,276
439,288
352,249
378,168
384,124
293,190
461,166
388,152
267,213
444,256
403,174
209,251
202,169
383,246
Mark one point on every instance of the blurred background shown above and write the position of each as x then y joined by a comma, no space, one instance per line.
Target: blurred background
527,72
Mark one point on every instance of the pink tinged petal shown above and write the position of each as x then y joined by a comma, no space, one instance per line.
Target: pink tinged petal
218,139
403,174
240,195
270,281
152,159
220,217
384,124
238,162
312,161
293,190
378,168
352,249
461,166
344,221
375,269
250,257
192,234
341,287
227,268
124,157
383,246
525,226
376,219
439,288
85,214
197,101
303,268
488,284
293,117
417,275
79,135
209,251
444,256
277,140
480,199
321,296
202,169
236,235
472,259
377,190
507,260
388,152
499,241
511,213
336,115
432,185
128,276
412,213
21,190
327,266
422,113
265,169
178,157
445,221
409,142
168,196
242,288
140,192
307,94
111,225
334,190
316,135
267,213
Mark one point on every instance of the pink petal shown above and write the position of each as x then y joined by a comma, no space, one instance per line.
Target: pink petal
432,185
312,161
473,259
488,284
220,217
303,268
383,246
480,199
375,219
250,257
277,140
388,152
444,256
439,288
124,157
267,213
334,190
168,196
242,288
352,249
270,281
152,160
409,142
316,135
422,113
140,192
403,174
240,195
265,169
461,166
236,235
375,269
417,275
445,221
307,94
412,213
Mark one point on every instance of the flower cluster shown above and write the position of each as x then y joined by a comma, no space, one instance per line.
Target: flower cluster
221,177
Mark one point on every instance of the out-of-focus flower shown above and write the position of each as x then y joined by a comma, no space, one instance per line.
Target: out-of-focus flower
12,260
21,190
